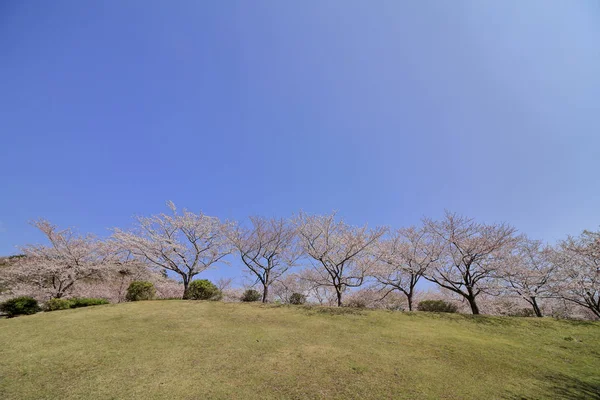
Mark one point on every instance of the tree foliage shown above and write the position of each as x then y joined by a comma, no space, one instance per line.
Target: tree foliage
23,305
578,263
250,295
437,306
297,298
404,258
487,266
185,243
203,289
268,248
472,255
339,252
140,290
529,272
56,268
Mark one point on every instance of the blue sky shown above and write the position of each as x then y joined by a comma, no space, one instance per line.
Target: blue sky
384,110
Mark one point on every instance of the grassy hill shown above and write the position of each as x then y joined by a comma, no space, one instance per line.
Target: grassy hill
196,350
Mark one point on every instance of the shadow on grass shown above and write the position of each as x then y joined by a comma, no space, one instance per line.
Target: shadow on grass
563,387
334,310
578,322
482,319
461,318
314,309
496,320
570,388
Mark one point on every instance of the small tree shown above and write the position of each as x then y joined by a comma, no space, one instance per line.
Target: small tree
203,289
403,259
140,290
472,257
529,272
339,252
186,243
578,270
251,295
56,269
297,298
268,248
287,285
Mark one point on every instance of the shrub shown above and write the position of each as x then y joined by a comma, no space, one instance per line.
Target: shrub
87,301
140,290
57,304
437,306
20,306
64,304
395,306
250,295
203,289
356,303
522,312
297,298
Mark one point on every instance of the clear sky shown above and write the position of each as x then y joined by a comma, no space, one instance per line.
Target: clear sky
383,110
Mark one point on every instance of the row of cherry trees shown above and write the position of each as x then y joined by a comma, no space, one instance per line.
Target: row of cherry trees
460,255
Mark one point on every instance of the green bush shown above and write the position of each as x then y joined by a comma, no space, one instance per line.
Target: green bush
87,301
140,290
64,304
251,295
437,306
297,298
203,289
57,304
23,305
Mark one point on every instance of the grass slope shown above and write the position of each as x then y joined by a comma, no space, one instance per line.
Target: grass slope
197,350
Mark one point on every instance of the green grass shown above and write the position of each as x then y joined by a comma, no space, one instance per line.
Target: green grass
212,350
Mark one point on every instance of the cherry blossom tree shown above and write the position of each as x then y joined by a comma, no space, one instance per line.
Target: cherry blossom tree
224,284
529,272
128,270
403,259
473,254
578,265
56,268
185,243
339,252
324,295
5,263
288,284
268,248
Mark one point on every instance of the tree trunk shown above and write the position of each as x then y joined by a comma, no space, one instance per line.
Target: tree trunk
121,288
588,303
536,308
409,296
186,284
473,304
265,293
592,304
338,292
